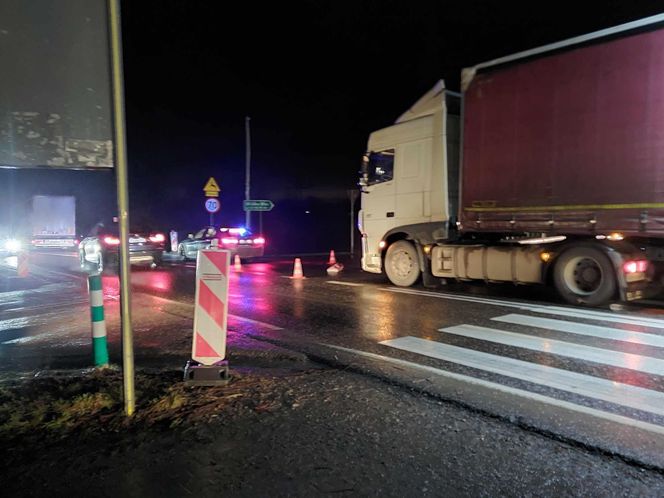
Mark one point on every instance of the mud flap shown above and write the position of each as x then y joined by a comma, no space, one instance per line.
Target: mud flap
428,280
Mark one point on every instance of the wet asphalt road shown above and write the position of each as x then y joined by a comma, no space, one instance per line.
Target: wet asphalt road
591,377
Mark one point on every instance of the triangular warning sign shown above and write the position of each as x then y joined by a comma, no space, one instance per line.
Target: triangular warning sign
203,348
211,185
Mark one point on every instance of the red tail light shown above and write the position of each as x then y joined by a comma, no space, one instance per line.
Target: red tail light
229,241
109,240
259,241
157,237
639,266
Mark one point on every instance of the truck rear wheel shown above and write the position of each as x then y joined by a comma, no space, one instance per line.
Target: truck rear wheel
585,275
401,264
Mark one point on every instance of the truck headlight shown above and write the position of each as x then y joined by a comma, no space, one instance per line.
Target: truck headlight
12,245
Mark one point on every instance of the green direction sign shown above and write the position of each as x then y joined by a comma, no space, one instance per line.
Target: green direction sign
258,205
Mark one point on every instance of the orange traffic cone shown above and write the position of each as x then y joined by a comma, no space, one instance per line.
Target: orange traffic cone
237,263
333,259
297,269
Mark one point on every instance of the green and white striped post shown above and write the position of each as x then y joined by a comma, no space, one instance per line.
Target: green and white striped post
99,344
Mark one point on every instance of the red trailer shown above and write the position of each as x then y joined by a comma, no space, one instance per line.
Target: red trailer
571,141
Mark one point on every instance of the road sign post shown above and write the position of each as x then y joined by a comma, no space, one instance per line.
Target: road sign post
258,205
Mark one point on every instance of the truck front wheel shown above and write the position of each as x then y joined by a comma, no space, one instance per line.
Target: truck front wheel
401,264
585,275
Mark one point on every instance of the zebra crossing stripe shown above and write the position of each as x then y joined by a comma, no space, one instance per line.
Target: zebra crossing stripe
584,329
585,385
349,284
611,417
562,348
551,310
99,341
603,317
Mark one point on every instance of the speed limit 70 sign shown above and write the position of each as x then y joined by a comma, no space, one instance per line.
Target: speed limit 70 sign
212,205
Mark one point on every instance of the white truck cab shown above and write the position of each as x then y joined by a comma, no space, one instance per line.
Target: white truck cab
406,175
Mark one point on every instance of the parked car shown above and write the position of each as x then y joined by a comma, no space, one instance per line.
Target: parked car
240,241
101,247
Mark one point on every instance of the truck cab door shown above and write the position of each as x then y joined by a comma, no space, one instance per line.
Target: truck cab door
378,205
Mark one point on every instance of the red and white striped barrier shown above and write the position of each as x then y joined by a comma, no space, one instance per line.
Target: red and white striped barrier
211,312
22,262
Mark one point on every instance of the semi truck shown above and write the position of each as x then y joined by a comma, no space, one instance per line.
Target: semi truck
53,220
547,168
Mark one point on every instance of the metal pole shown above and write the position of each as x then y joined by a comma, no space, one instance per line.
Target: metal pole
123,204
247,184
353,195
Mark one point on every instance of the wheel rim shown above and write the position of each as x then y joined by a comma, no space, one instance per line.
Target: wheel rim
402,264
583,275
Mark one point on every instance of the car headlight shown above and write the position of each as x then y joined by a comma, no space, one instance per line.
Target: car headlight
12,245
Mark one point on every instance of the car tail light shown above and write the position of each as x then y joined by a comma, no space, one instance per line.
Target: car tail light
157,237
259,240
639,266
109,240
229,241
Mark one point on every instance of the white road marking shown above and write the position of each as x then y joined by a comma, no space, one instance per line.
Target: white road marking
40,307
235,317
249,320
606,317
584,329
551,310
34,319
75,276
565,380
166,300
61,254
338,282
620,419
14,323
551,346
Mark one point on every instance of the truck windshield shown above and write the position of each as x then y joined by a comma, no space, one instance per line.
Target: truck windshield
378,167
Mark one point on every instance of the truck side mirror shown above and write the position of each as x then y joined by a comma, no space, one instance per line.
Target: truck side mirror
190,235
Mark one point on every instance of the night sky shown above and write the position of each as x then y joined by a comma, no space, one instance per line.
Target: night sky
316,77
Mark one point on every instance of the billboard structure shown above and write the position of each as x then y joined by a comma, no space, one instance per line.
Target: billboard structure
55,97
